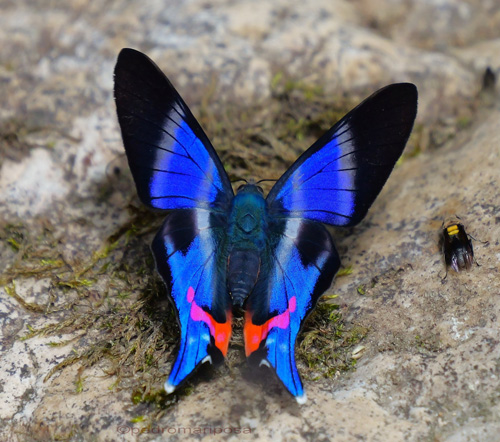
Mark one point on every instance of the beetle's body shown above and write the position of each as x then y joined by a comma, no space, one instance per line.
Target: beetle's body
457,247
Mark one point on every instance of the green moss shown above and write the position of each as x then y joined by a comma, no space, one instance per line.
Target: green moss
79,385
345,271
263,140
137,419
52,263
325,346
464,122
74,283
158,399
277,80
37,252
16,246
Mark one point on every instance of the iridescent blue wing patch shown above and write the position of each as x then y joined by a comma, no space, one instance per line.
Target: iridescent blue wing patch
299,266
188,253
172,161
337,179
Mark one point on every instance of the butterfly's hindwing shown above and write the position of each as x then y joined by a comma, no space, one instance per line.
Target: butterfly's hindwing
301,264
337,179
189,253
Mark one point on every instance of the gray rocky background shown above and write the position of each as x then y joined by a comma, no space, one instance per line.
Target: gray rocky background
428,364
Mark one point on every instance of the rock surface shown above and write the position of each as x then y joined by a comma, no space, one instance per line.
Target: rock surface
430,367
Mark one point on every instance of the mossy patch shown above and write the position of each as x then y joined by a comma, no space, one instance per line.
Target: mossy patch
326,343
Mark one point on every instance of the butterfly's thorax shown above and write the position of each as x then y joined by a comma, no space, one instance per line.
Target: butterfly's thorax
246,240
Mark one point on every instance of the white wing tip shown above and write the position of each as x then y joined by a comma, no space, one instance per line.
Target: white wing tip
264,362
169,388
207,358
301,400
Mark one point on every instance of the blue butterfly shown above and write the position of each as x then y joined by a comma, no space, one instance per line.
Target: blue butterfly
272,256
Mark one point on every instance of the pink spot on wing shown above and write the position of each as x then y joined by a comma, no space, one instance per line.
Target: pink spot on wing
220,331
198,314
190,295
280,321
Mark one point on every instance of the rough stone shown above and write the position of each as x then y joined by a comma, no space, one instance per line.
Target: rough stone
430,369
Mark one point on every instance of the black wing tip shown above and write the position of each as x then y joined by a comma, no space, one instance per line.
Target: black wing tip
401,89
404,93
132,65
402,86
128,55
397,93
129,58
397,102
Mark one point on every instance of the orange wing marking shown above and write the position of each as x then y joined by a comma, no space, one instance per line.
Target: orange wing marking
255,334
221,331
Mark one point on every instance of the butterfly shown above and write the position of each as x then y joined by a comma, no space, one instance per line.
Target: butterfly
270,255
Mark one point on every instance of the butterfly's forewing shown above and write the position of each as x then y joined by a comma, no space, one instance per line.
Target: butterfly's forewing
172,161
337,179
175,167
335,182
298,268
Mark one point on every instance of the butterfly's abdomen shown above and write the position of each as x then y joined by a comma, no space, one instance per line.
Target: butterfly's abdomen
243,270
